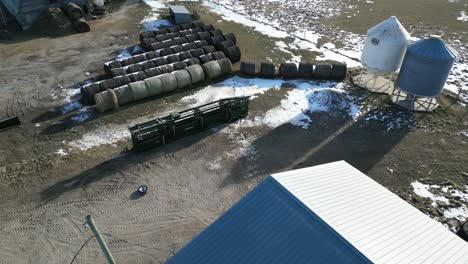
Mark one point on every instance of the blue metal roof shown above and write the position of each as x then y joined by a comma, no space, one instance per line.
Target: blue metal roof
433,48
269,225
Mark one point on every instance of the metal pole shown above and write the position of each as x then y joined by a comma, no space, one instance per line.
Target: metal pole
100,240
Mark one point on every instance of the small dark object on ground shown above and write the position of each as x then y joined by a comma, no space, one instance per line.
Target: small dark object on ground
247,68
142,190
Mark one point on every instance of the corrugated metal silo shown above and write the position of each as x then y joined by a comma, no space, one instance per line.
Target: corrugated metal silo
385,46
426,67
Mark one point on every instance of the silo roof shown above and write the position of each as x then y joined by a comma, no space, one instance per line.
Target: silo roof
390,29
433,48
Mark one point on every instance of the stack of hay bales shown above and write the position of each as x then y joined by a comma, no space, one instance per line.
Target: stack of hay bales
75,14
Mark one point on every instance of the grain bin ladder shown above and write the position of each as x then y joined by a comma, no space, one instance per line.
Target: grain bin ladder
161,131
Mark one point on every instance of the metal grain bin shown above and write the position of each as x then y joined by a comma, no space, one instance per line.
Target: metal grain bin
426,66
385,46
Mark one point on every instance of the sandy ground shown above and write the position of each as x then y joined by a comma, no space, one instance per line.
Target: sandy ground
48,185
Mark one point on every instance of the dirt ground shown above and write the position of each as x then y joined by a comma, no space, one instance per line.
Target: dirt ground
45,195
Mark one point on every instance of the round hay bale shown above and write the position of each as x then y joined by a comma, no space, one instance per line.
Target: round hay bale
152,55
306,70
127,61
168,43
224,44
159,61
162,37
233,53
154,86
197,24
247,68
73,11
157,46
226,66
201,43
146,65
197,52
189,46
338,71
217,55
180,65
160,31
209,49
184,33
216,39
107,84
216,32
192,61
186,26
117,72
140,58
231,37
139,90
153,72
288,70
137,76
323,71
192,38
124,95
146,43
183,78
173,58
176,49
196,73
173,29
169,82
173,35
165,52
196,30
106,101
185,55
204,35
166,68
212,70
267,70
134,68
112,65
208,28
121,80
146,34
88,91
205,58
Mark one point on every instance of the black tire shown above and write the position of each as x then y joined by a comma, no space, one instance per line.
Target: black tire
306,70
224,44
185,55
173,35
140,58
197,52
233,53
165,52
197,24
146,65
162,37
166,68
247,68
267,70
159,61
189,46
231,37
192,61
174,29
180,65
216,32
196,30
217,55
216,39
106,85
157,46
121,80
288,70
204,35
192,38
117,72
339,71
153,72
208,28
152,55
134,68
173,58
184,33
205,58
322,71
186,26
201,43
137,76
209,49
176,49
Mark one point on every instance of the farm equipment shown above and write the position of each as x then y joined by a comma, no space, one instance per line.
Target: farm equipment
161,131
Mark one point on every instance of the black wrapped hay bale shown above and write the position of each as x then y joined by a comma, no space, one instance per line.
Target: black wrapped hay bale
197,52
189,46
124,95
168,43
174,29
338,71
140,58
146,43
322,71
157,46
165,52
192,61
176,49
180,40
205,58
231,37
288,70
88,91
159,61
146,65
216,32
137,76
134,68
162,37
216,39
184,33
146,34
233,53
208,28
225,65
81,25
121,80
73,11
185,55
247,68
197,24
153,72
192,38
224,44
267,70
107,84
152,55
217,55
160,31
128,61
186,26
173,35
183,78
204,35
201,43
196,30
168,68
180,65
209,49
112,65
117,72
306,70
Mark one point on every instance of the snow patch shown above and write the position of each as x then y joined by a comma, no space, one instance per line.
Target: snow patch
61,152
463,17
107,135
